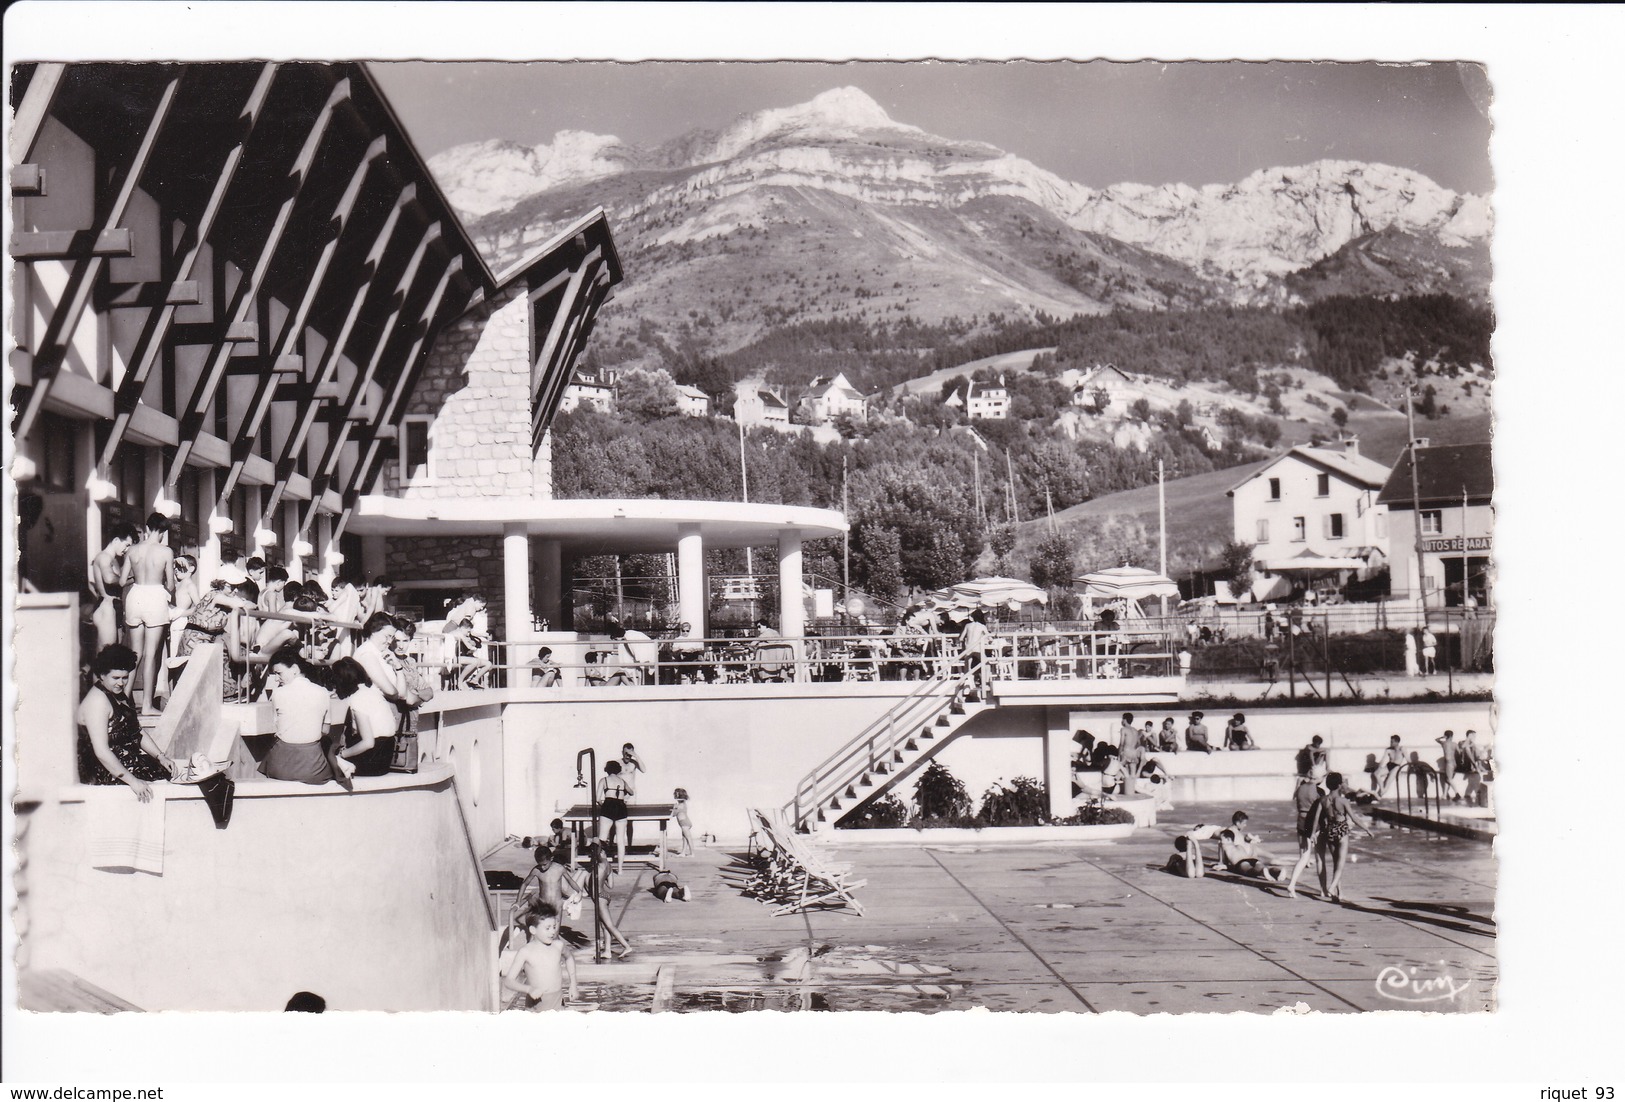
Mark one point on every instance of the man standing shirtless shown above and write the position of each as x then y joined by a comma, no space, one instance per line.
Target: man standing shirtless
106,576
149,567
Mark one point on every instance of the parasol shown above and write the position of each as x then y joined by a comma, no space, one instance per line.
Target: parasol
1130,583
1010,593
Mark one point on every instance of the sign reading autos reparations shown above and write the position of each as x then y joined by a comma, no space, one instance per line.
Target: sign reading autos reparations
1474,543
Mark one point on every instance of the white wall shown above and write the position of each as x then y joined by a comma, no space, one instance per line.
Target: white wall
372,900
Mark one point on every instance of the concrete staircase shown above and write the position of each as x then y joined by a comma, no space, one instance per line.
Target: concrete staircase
882,754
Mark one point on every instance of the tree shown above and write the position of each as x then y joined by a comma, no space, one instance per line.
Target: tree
1141,410
1003,541
1184,413
1052,563
1340,417
877,560
1236,565
647,395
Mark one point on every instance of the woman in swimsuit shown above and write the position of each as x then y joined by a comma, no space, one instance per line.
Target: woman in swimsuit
1335,821
113,749
613,793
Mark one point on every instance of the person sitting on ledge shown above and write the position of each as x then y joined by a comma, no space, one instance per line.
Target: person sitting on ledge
301,708
113,749
544,674
371,719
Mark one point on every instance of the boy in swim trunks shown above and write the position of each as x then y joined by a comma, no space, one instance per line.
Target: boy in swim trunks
534,978
1241,853
149,568
106,580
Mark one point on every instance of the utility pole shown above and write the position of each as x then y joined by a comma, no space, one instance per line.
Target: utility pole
976,472
1010,484
1416,506
744,496
1162,534
846,542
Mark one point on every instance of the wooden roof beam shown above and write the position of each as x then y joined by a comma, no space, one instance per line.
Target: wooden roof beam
153,333
248,290
410,369
324,388
283,358
53,348
323,476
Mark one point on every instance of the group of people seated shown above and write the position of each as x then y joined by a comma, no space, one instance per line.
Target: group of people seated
148,598
343,728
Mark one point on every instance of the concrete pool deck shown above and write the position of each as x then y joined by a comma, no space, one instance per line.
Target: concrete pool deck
1066,927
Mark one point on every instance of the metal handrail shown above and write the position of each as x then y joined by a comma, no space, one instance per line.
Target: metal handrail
1405,791
898,727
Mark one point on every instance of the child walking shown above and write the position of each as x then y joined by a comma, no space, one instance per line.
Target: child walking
534,978
679,811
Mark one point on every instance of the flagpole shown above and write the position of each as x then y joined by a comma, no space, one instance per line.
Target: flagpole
1162,532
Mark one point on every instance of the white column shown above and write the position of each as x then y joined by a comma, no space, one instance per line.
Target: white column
208,559
550,583
691,578
290,531
85,460
326,548
1058,761
516,583
791,624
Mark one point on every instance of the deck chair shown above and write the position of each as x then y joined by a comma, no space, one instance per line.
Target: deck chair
806,879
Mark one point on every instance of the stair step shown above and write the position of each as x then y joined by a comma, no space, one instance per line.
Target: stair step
866,781
896,758
942,721
851,793
911,746
835,805
956,708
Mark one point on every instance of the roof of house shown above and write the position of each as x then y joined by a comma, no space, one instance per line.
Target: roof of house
771,399
1350,467
1101,369
985,390
688,391
1444,474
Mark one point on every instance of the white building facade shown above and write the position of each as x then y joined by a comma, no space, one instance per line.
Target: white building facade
1321,501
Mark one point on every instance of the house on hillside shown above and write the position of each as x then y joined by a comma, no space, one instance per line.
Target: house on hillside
692,401
1312,506
1455,486
590,388
981,401
828,397
755,404
1103,387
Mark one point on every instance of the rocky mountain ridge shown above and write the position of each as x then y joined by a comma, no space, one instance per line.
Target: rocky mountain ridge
831,207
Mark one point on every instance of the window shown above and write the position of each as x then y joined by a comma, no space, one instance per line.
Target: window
1432,522
1299,530
415,464
1323,485
1334,526
1263,531
1275,489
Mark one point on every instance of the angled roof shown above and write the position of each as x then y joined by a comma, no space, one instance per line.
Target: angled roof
1101,369
1355,468
688,391
1444,473
771,399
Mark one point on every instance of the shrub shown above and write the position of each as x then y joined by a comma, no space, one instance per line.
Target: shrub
886,811
941,795
1024,802
1094,813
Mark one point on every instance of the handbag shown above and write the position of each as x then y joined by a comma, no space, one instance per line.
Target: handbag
405,757
572,908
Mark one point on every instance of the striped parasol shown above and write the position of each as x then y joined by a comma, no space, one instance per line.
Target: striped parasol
1010,593
1127,583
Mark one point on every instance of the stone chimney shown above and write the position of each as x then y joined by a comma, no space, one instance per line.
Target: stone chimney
1351,445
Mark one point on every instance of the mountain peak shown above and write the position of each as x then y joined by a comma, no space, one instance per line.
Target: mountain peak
847,106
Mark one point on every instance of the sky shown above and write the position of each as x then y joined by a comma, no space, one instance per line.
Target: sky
1096,123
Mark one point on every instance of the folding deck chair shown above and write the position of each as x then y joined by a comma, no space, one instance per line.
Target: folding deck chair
808,879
